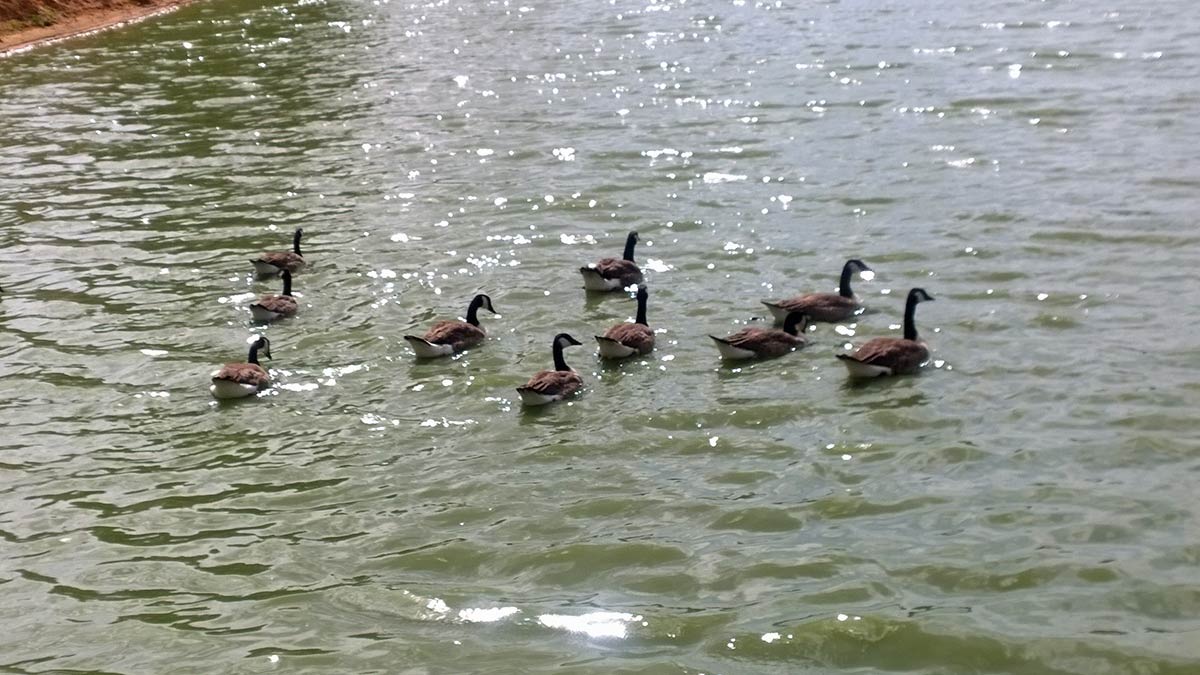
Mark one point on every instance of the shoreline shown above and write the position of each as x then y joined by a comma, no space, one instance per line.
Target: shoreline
86,22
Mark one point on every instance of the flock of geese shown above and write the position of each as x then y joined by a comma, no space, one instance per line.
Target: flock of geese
877,357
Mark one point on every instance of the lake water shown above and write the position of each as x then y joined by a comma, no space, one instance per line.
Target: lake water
1026,505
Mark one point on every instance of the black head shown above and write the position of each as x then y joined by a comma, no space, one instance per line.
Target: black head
642,292
287,281
485,302
565,340
299,233
478,301
263,345
857,265
919,295
796,323
633,237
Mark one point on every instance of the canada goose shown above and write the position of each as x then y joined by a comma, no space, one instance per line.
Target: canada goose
610,274
270,307
548,386
272,261
827,307
627,339
235,380
760,343
450,337
888,355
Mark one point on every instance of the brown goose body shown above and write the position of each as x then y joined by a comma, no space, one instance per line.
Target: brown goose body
236,380
626,339
554,383
282,305
548,386
272,262
888,356
624,272
884,356
633,335
459,335
826,307
611,274
452,336
271,307
281,260
243,373
764,343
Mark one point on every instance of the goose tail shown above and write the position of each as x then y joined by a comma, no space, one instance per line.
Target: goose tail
728,351
261,313
860,370
613,349
531,397
777,311
229,389
425,349
264,268
593,281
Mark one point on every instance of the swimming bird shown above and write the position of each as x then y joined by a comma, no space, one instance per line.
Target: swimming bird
827,307
548,386
270,307
235,380
450,337
888,355
627,339
610,274
762,343
272,261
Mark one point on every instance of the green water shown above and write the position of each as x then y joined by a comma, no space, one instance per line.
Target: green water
1026,505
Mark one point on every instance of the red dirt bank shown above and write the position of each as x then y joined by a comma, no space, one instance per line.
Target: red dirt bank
26,23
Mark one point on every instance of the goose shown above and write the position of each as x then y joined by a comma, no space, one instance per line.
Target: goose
761,343
270,307
272,261
626,339
235,380
548,386
826,307
888,355
450,337
610,274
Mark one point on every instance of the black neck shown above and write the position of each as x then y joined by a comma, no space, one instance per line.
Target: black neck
910,313
253,358
641,314
794,322
630,242
296,243
287,284
473,310
844,287
559,362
